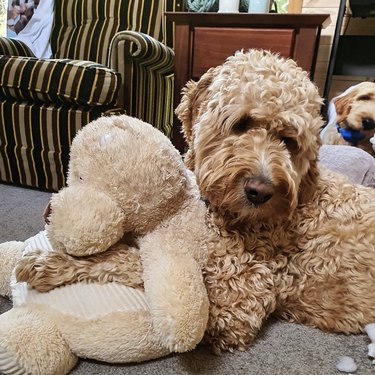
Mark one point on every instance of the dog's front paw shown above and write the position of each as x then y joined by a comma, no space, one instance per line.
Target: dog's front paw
33,269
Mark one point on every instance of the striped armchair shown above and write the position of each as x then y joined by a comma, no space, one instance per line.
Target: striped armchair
109,56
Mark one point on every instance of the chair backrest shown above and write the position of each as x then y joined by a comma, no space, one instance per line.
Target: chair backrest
83,29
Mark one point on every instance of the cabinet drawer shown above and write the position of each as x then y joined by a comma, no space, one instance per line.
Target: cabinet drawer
211,46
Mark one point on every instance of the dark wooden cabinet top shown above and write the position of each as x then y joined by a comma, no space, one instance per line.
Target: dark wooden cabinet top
250,19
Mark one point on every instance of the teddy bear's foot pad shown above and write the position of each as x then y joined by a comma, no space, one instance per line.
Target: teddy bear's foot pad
9,364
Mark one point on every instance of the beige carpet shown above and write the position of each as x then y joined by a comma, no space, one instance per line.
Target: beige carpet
281,348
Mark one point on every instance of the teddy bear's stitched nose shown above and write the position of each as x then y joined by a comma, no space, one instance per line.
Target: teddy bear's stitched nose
368,123
258,190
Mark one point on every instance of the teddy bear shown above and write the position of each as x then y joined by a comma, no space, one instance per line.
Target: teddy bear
116,275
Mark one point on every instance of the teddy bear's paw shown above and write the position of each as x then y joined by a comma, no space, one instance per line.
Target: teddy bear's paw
10,253
9,363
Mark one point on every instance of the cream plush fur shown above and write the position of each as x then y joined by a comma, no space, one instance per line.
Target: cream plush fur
131,224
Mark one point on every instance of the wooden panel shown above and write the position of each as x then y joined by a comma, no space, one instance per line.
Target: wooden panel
324,53
320,67
341,83
213,45
361,26
325,40
305,48
182,61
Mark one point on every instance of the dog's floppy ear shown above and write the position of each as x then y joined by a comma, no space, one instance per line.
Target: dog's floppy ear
193,95
343,105
185,110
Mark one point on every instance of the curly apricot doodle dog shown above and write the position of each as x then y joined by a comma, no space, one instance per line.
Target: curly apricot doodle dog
355,119
293,239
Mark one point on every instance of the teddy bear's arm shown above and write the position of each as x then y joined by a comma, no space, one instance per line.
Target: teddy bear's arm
47,270
174,289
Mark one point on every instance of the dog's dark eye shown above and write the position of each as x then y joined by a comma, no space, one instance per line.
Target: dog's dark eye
290,143
242,126
364,97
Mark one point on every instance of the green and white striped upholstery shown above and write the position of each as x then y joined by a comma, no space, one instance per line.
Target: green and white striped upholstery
36,153
13,47
58,81
83,29
109,56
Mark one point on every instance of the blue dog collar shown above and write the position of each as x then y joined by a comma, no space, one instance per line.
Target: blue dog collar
350,135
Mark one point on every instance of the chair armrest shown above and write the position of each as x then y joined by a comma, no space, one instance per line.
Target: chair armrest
14,47
147,70
58,81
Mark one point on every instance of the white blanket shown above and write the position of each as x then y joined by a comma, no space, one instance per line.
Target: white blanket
356,164
37,32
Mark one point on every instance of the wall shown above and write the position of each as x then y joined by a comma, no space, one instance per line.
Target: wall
355,26
3,16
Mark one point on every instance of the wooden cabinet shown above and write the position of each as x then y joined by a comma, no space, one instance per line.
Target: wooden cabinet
203,40
211,45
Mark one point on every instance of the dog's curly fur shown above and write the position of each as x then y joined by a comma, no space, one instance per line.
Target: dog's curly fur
294,240
356,111
45,271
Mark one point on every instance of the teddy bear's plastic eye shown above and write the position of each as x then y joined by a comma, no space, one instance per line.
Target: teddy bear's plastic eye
105,140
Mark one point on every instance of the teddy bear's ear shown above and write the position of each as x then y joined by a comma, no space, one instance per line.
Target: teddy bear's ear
194,95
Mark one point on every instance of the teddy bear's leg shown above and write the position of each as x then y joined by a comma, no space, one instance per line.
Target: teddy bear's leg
31,344
10,253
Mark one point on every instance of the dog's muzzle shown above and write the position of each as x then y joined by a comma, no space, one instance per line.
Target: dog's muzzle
258,190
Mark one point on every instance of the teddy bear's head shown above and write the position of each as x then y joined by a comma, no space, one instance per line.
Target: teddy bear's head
124,176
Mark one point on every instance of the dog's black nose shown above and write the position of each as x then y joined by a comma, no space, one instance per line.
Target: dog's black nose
258,191
368,123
